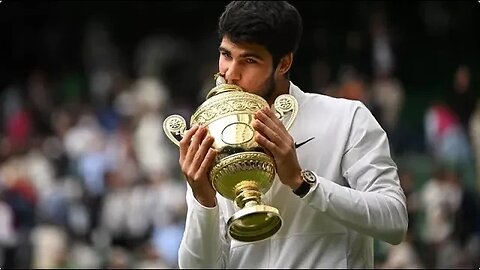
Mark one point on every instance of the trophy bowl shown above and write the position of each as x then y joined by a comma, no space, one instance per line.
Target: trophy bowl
242,171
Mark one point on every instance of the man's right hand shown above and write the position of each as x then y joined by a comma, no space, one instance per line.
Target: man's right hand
196,158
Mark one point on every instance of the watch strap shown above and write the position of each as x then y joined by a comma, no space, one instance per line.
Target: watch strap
303,189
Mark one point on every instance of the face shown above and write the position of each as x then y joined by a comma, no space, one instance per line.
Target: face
248,66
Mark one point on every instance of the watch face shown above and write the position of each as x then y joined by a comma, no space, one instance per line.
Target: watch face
309,177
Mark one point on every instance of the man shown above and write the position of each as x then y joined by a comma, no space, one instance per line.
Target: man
356,195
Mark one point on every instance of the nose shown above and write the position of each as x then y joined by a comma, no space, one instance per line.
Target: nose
232,75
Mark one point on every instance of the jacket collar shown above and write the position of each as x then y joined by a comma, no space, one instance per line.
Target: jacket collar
297,93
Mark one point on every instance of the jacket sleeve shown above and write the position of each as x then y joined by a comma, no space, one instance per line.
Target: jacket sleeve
204,243
375,203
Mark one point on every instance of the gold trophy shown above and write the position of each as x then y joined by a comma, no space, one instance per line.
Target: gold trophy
242,171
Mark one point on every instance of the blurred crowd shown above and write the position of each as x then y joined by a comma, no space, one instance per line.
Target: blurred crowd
88,178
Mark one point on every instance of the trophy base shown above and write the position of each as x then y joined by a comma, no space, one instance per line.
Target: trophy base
254,223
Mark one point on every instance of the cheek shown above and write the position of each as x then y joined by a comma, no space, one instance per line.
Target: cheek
258,84
222,65
257,81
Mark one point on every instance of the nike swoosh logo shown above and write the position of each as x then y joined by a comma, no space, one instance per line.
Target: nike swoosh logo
297,145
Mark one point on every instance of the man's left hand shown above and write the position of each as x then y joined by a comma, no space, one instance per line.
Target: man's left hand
274,137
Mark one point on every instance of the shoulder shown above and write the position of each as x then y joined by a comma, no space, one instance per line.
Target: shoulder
326,106
332,106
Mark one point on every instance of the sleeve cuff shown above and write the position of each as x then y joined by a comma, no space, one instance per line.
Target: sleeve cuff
202,208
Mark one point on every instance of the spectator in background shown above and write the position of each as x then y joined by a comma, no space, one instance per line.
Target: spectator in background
101,60
408,183
388,97
462,99
438,203
352,85
386,93
22,197
402,256
7,231
406,255
383,59
452,227
466,221
474,131
446,139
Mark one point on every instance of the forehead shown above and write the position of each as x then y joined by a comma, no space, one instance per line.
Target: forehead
244,48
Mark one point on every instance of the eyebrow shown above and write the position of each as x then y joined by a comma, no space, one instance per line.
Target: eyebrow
246,54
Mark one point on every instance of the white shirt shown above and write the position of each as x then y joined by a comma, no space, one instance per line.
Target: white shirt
357,198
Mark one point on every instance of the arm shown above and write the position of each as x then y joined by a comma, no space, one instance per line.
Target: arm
204,244
374,204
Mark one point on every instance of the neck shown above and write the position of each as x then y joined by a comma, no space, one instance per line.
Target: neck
282,87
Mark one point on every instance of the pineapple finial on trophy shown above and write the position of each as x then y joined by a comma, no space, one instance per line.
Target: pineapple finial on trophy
219,78
221,86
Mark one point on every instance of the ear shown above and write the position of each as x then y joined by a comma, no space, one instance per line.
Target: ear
285,64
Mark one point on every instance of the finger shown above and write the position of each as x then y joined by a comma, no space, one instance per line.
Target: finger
267,116
207,161
273,117
267,144
202,152
267,131
286,139
195,144
185,142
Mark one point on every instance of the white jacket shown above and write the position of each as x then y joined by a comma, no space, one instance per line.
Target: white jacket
357,198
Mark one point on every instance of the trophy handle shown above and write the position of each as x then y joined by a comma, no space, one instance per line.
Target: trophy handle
174,125
283,104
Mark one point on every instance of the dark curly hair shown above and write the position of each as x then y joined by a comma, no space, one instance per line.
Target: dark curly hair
276,25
